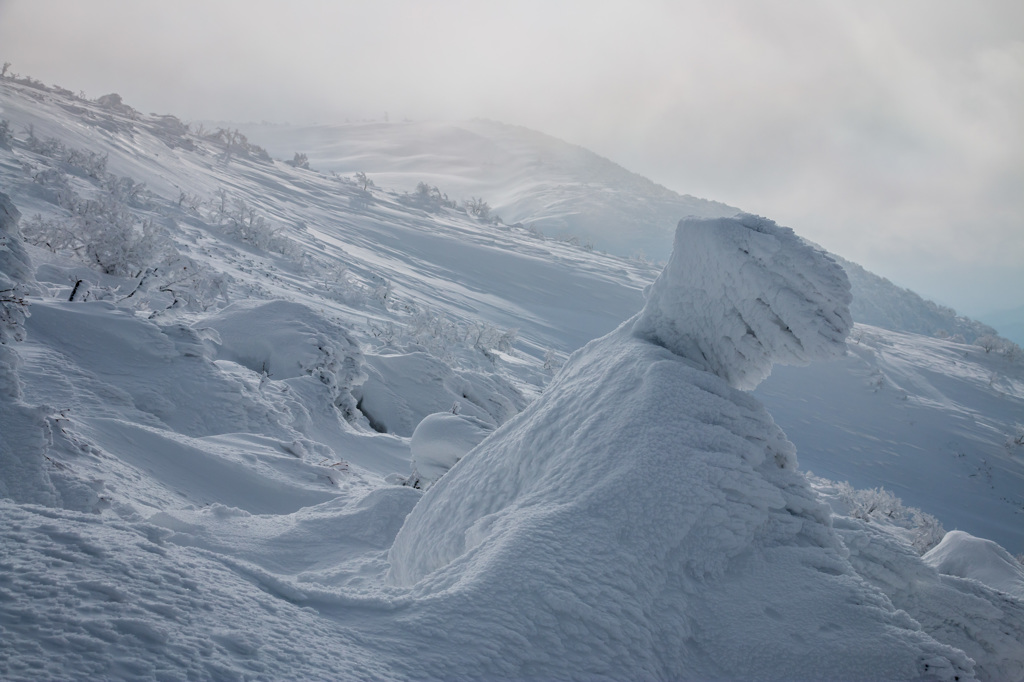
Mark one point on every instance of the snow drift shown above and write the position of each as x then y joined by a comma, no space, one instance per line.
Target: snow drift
963,555
644,519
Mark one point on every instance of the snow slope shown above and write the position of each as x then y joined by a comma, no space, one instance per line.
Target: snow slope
564,191
202,452
527,177
932,420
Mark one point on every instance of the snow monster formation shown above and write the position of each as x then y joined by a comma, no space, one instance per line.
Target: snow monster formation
644,519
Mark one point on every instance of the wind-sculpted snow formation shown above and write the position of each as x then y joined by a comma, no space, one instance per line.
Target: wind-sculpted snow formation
742,293
644,519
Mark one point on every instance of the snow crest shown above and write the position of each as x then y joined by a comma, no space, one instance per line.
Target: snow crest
741,293
644,519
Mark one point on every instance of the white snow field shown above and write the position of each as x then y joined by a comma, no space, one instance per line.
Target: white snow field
227,381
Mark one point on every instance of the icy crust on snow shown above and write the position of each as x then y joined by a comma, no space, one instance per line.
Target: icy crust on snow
644,519
741,293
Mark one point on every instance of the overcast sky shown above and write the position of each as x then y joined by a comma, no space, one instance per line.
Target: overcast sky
889,131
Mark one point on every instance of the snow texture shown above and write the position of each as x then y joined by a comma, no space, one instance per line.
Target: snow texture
644,519
742,293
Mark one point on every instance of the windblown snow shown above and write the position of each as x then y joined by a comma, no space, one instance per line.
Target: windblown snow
262,422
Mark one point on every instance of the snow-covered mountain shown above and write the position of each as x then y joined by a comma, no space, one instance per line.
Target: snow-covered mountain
226,379
559,189
564,191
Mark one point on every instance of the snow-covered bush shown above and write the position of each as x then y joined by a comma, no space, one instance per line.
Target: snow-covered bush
83,162
880,505
13,311
987,343
299,161
478,208
181,282
235,144
15,275
336,282
364,182
443,337
287,340
430,198
172,132
243,222
103,233
992,343
6,137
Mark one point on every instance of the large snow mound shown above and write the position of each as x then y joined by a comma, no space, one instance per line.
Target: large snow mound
742,293
644,519
965,556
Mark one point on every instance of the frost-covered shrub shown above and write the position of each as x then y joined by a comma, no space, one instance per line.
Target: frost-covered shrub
987,343
382,292
299,161
172,132
364,182
430,198
15,275
82,162
6,136
189,202
245,223
103,233
487,338
993,343
880,505
478,208
235,144
178,283
13,311
442,337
